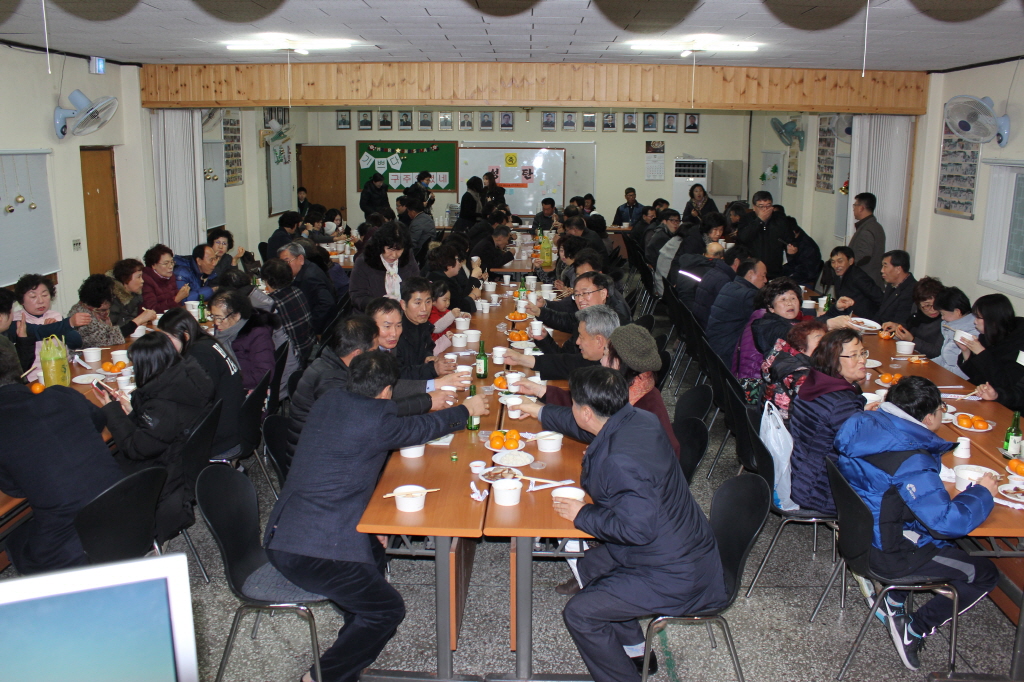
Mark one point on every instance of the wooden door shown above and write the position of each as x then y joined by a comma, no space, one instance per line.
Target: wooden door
99,190
321,171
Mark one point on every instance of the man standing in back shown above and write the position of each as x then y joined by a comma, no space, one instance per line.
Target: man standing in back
629,212
766,234
868,242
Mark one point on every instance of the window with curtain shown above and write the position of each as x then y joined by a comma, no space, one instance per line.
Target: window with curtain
1002,247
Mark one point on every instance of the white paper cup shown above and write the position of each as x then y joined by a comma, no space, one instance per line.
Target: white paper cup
547,287
473,335
458,340
139,332
882,392
963,448
822,300
506,279
498,356
453,357
549,441
962,336
413,451
495,298
490,286
411,503
513,407
450,389
521,306
476,260
871,398
92,354
531,296
462,323
536,327
119,356
569,491
549,295
192,306
809,305
477,466
905,347
513,378
531,282
483,307
506,491
124,382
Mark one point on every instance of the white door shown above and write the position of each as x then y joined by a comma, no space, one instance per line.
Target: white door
773,184
844,217
213,189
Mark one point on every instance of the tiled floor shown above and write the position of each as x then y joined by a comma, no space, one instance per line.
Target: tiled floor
771,628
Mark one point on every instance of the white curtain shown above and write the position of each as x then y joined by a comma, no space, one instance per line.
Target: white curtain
178,170
880,164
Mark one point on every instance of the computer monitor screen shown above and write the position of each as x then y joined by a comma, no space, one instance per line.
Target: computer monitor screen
122,622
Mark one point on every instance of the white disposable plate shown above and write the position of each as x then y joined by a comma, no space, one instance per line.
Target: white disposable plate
1008,490
503,398
87,378
528,318
523,345
522,444
871,364
882,383
866,325
964,428
517,473
948,418
499,458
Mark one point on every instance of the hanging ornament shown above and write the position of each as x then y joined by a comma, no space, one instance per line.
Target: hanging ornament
28,176
9,208
216,177
20,199
32,206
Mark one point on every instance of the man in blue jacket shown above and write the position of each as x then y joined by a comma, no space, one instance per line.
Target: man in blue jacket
311,536
732,308
195,271
892,458
658,554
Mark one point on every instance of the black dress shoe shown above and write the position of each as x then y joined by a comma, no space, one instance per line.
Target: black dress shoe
569,587
652,667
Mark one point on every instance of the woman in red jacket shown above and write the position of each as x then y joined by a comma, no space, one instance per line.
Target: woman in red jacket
160,290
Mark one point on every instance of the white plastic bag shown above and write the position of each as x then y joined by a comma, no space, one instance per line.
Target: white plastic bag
776,438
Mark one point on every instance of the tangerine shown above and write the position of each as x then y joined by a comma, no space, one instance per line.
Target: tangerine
108,366
896,377
1016,466
497,442
500,382
964,420
118,366
512,433
885,378
511,443
36,387
980,424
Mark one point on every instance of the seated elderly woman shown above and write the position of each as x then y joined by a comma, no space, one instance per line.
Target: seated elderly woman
828,397
382,266
160,290
776,310
35,293
126,311
151,428
95,298
223,243
247,331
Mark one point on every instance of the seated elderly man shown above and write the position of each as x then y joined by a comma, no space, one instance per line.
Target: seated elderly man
595,326
892,458
658,553
313,282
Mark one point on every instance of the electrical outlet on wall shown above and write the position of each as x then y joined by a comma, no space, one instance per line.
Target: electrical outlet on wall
76,244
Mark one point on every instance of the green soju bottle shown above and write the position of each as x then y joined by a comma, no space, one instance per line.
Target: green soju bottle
202,309
481,362
473,423
1012,441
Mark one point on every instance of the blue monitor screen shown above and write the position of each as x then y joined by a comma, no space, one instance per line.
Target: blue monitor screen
111,634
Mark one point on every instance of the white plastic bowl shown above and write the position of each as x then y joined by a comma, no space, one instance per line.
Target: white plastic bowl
549,441
410,503
413,451
507,491
905,347
569,491
970,473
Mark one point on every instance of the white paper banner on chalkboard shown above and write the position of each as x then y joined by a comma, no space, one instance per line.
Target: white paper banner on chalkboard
441,179
395,161
366,160
394,179
496,172
381,165
527,173
408,179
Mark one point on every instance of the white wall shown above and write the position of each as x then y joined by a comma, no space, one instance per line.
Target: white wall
620,155
26,114
944,246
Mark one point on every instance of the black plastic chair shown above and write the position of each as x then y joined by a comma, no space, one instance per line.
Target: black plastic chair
262,248
765,468
645,321
275,439
696,402
250,414
738,511
293,381
227,503
856,525
692,435
666,364
118,524
196,454
274,399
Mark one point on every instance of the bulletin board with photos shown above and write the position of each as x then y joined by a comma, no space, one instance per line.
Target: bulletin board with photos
399,161
824,179
958,176
231,129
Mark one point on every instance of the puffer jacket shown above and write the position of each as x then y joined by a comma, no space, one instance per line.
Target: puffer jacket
728,316
746,360
254,347
686,273
893,462
158,292
823,404
710,286
187,272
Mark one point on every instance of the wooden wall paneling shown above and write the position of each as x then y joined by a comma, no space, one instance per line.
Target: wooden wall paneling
481,84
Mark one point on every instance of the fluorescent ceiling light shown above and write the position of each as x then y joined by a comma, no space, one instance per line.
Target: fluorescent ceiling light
281,41
701,42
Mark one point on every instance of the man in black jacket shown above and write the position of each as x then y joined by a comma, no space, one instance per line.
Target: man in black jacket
54,456
721,273
687,271
803,257
548,217
491,250
287,226
311,536
855,292
898,296
595,326
577,227
658,552
766,234
352,336
311,281
732,309
669,225
414,346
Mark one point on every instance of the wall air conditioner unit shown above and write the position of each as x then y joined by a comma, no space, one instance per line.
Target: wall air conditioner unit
687,173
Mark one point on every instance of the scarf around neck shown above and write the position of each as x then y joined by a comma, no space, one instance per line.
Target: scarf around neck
640,387
392,280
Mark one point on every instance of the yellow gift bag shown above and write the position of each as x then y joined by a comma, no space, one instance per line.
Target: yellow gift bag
53,356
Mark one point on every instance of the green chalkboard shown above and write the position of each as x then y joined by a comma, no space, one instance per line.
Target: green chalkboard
440,158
